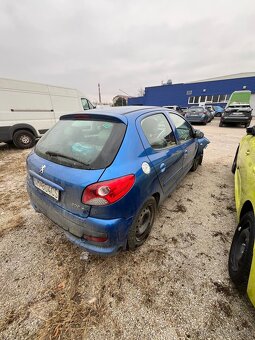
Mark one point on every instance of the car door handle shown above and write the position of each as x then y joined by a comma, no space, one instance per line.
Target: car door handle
247,152
162,167
185,153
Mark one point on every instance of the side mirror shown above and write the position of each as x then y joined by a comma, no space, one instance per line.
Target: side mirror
198,134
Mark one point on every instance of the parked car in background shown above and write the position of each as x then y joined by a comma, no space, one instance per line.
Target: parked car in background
176,108
28,110
198,114
210,113
218,110
211,110
184,110
242,253
238,109
100,175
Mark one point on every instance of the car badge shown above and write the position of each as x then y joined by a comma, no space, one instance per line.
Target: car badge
42,169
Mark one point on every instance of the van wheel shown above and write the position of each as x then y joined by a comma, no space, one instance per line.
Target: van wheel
23,139
141,227
241,251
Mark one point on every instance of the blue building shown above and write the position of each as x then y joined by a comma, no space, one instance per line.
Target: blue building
214,91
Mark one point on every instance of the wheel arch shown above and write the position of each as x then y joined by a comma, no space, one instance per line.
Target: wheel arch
27,127
156,195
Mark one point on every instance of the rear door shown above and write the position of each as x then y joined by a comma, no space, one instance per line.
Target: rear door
186,138
162,149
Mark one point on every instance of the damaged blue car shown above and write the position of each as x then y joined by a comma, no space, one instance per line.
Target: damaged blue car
101,175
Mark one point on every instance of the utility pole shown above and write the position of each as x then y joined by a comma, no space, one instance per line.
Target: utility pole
99,93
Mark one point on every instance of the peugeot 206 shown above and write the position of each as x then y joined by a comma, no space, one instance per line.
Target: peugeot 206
100,175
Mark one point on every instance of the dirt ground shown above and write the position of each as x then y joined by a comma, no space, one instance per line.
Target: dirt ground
176,286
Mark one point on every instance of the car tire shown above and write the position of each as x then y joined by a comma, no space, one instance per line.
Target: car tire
23,139
142,224
241,251
221,124
200,161
196,163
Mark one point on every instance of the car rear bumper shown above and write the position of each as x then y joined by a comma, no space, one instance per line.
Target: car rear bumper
197,119
75,227
236,119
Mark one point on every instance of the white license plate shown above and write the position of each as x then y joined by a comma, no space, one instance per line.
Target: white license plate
47,189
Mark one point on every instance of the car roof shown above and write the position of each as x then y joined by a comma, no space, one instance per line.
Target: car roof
123,113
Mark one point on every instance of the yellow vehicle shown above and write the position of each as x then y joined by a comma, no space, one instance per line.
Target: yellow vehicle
242,253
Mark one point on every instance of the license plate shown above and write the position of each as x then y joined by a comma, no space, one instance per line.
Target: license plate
47,189
237,114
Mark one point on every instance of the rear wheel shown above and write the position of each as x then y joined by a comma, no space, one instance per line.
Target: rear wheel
142,224
221,124
23,139
241,251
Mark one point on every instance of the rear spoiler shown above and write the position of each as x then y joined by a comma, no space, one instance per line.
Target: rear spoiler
95,116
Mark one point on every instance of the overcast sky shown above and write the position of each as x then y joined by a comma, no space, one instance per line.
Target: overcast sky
124,45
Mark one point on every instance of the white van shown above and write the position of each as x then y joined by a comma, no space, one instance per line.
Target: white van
28,110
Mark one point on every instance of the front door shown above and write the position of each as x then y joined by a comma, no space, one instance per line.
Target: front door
186,138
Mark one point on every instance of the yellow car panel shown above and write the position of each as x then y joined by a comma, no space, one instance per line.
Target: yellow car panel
245,192
251,283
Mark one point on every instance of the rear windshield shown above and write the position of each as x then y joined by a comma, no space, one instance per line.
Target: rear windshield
83,144
195,108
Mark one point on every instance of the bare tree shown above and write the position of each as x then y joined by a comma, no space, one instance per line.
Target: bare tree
141,92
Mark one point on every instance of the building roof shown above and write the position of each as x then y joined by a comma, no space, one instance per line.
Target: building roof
230,76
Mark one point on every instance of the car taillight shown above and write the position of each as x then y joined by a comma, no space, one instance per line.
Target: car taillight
107,192
99,239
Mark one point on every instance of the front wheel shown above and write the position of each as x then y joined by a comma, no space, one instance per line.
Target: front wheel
241,251
141,227
23,139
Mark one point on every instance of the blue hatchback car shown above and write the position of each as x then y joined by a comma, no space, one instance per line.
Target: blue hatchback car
100,175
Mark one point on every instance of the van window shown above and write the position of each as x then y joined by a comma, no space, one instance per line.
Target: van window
85,104
83,144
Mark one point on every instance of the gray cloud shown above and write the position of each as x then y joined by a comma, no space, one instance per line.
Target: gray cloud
124,45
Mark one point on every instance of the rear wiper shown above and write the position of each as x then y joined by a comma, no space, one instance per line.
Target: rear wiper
56,154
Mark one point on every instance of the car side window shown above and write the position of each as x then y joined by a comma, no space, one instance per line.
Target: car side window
158,131
183,128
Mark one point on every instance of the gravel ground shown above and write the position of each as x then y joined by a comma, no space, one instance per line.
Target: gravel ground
176,286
